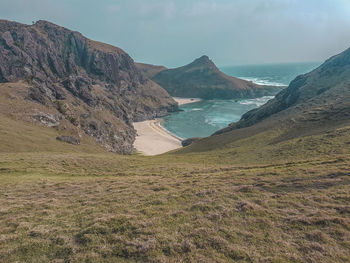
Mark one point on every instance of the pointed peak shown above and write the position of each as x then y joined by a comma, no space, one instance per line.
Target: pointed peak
203,62
203,58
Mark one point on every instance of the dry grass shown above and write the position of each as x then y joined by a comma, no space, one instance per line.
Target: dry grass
251,200
107,208
96,45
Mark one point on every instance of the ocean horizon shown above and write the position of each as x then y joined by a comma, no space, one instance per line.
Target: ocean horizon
274,74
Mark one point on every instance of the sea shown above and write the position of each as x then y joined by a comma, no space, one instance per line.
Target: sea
201,119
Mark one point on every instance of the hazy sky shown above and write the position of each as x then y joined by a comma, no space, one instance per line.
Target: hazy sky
174,32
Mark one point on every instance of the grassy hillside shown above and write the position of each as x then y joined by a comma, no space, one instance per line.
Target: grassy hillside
257,202
23,137
248,195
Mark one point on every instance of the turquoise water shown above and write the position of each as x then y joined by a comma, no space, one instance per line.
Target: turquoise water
203,118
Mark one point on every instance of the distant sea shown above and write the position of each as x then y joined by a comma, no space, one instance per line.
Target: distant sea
203,118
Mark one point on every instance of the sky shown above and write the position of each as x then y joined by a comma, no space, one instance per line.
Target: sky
175,32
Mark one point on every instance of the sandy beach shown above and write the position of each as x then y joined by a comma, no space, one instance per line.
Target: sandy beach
153,139
183,101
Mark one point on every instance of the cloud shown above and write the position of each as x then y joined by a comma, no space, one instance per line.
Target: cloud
157,9
173,32
113,8
31,10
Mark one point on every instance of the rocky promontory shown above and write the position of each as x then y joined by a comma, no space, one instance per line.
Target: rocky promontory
202,79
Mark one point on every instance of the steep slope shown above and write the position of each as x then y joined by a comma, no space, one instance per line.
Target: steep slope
323,94
95,86
202,79
148,70
314,104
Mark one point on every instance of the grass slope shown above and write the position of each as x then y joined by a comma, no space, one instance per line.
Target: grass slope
273,192
262,203
255,194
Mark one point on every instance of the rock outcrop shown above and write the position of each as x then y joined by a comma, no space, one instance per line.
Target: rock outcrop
189,141
69,139
202,79
95,86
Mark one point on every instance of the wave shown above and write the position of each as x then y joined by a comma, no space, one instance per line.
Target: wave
210,116
221,121
265,82
257,101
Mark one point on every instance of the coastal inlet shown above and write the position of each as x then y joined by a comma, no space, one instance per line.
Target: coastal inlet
203,118
197,118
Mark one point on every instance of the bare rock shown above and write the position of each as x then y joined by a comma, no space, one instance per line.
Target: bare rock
69,139
50,120
189,141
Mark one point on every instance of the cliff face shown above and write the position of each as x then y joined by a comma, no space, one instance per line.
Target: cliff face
322,95
95,85
202,79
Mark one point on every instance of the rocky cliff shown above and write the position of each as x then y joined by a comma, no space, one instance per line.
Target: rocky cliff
202,79
95,86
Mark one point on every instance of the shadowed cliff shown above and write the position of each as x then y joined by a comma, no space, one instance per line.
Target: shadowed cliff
95,86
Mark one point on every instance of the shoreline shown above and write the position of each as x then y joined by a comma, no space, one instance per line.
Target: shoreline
153,138
183,101
158,122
